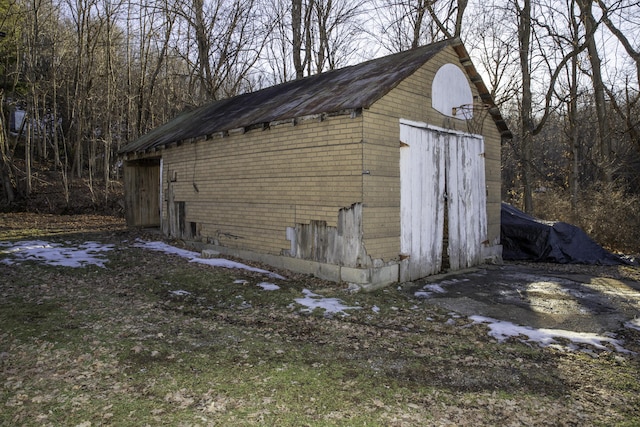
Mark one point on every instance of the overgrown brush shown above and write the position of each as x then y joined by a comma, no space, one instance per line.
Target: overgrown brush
608,213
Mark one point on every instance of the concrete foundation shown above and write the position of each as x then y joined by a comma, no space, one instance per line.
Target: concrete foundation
366,279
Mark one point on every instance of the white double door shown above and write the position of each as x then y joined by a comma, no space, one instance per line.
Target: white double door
442,172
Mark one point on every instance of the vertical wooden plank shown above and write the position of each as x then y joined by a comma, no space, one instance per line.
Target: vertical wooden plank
418,184
405,191
454,197
172,224
481,194
152,201
432,214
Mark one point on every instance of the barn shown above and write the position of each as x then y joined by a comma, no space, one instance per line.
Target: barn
382,172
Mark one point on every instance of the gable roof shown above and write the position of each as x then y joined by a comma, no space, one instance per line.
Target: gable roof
347,89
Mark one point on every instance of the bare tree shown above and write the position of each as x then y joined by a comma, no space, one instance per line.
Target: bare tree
6,174
623,11
297,36
402,24
156,23
10,47
590,24
572,117
448,16
230,37
527,127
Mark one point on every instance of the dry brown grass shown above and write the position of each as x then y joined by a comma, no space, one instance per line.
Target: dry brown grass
117,346
609,215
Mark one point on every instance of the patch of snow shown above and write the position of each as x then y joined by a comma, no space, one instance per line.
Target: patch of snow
55,254
180,293
195,257
269,286
633,324
375,309
437,288
501,330
240,282
244,305
308,293
330,305
354,287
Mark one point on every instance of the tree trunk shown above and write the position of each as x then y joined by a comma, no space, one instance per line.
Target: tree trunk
27,160
590,24
417,23
526,115
308,41
6,177
574,140
202,41
296,28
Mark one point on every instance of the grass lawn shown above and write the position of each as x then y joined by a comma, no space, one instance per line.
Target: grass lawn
153,339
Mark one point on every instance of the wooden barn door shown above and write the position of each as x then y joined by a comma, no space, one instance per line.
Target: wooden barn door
440,169
142,192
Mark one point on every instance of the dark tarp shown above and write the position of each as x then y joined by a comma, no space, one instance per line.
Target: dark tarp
527,238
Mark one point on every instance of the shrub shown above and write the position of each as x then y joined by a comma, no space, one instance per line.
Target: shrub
607,213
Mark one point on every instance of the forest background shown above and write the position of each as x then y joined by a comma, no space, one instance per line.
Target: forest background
79,79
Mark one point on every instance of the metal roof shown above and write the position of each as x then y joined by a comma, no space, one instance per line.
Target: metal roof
346,89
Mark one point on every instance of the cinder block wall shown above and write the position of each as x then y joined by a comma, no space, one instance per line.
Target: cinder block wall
243,190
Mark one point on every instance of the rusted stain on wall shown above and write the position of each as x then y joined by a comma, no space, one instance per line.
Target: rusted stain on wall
340,245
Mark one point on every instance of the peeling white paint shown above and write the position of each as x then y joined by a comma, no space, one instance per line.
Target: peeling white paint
432,159
341,245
